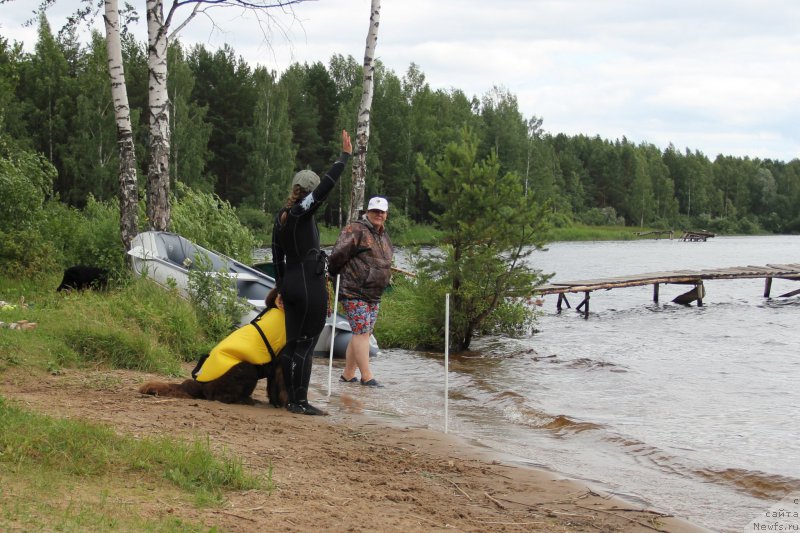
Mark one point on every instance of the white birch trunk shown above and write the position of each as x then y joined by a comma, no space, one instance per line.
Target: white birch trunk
364,110
158,208
128,187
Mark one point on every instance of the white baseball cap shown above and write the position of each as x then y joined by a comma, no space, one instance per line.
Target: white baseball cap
378,203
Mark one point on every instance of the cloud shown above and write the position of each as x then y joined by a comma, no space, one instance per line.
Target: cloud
719,76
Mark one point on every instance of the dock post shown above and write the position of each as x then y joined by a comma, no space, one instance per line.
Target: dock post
562,298
695,295
655,292
585,305
767,286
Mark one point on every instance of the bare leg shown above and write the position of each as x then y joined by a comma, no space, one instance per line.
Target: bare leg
357,355
349,361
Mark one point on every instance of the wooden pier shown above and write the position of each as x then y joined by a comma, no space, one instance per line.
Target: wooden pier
696,236
680,277
656,233
687,236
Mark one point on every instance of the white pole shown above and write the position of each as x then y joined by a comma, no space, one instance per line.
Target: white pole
446,353
333,334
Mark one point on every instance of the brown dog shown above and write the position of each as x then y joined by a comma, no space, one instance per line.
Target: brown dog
235,386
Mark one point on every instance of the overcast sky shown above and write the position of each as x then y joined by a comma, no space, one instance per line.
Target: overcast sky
718,76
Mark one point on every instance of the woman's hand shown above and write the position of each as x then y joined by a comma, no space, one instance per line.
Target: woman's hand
347,146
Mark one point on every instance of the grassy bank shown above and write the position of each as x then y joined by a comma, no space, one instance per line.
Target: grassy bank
138,326
424,235
67,475
602,233
405,233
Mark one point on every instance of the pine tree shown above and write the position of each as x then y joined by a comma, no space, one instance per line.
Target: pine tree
489,228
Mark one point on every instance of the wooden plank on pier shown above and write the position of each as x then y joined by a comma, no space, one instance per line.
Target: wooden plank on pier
794,266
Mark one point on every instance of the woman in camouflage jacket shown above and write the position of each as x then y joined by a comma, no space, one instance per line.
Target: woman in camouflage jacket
363,257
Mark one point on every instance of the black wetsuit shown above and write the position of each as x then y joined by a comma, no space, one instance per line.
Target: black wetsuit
300,274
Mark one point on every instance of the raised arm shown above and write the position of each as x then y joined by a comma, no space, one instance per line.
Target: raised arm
328,181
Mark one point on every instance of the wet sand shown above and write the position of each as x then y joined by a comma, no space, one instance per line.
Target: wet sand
346,472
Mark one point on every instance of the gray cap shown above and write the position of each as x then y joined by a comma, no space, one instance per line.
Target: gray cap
306,179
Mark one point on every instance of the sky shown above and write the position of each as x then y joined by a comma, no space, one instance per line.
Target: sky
715,76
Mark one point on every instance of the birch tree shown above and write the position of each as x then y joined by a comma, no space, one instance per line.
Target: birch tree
158,208
364,110
128,190
158,35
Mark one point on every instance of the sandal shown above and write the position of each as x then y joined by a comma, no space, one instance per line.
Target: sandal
351,380
372,383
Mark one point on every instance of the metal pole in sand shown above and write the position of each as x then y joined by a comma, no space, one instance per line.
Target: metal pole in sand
333,334
446,353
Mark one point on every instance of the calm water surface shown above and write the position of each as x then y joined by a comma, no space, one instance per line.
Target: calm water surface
692,410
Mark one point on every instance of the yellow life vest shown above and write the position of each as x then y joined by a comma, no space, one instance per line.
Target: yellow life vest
246,345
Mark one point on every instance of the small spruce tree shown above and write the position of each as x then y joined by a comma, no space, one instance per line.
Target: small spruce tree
490,226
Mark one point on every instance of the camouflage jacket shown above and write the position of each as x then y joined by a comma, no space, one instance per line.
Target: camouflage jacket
363,257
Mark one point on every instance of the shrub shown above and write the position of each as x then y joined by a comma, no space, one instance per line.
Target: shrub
23,252
409,315
606,216
26,179
210,222
215,298
259,222
89,236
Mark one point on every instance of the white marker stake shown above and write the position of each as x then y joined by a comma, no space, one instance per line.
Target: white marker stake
446,352
333,334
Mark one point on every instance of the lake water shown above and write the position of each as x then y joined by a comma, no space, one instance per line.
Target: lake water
691,410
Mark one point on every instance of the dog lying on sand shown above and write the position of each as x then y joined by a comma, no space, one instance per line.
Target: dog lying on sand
232,369
235,386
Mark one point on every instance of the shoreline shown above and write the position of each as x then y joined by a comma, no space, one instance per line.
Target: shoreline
553,484
349,471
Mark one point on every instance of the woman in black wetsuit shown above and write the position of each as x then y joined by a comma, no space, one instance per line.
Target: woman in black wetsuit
300,275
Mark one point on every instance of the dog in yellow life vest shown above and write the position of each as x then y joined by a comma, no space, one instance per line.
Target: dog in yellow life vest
231,370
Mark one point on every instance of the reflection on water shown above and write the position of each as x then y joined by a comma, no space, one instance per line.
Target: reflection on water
690,410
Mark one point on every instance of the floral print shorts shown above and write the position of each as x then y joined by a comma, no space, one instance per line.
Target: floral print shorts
361,315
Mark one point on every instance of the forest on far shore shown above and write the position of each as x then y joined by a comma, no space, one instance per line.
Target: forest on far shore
241,133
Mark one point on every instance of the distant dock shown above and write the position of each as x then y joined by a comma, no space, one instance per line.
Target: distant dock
688,236
696,236
680,277
657,233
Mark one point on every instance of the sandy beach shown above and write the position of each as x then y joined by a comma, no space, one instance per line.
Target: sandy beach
339,473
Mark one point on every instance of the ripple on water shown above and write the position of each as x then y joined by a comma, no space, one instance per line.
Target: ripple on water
758,484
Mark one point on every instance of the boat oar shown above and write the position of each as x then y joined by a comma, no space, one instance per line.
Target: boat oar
333,334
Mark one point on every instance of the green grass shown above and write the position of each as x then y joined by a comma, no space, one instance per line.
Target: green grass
137,326
41,453
598,233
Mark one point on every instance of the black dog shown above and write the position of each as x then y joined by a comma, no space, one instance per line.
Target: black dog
80,277
235,386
